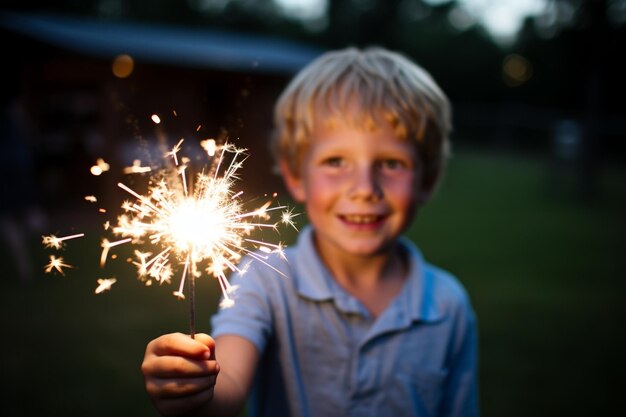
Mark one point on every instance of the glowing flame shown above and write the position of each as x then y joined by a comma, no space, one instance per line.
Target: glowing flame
194,222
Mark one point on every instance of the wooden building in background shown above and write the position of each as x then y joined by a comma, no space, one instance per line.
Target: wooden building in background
76,90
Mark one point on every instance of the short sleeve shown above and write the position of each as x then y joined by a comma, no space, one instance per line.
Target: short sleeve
250,316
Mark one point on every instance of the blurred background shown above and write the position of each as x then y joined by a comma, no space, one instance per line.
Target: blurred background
530,215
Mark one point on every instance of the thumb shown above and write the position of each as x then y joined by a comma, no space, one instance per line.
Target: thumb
209,342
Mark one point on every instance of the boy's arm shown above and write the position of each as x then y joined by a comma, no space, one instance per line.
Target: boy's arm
238,359
181,374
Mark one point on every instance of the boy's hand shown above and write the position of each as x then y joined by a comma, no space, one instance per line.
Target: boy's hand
180,372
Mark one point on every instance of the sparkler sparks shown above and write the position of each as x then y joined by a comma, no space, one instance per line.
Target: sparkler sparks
209,146
195,224
56,264
100,167
199,222
174,152
287,218
136,168
104,284
54,242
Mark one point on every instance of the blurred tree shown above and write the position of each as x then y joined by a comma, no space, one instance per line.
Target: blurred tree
571,44
575,48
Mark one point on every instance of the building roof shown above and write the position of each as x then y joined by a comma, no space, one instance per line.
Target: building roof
163,44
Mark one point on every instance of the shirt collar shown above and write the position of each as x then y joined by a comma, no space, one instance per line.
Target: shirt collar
312,277
417,298
414,303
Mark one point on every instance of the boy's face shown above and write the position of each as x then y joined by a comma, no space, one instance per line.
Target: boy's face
360,188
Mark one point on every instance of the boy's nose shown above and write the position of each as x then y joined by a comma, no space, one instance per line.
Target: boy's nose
365,184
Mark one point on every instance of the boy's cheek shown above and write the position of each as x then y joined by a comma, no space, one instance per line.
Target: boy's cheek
402,186
321,186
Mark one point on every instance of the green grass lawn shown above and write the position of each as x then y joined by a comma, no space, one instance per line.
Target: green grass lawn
541,269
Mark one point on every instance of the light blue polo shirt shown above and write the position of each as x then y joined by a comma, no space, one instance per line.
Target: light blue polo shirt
324,354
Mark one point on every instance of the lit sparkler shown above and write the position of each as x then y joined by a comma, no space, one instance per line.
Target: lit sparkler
199,224
194,223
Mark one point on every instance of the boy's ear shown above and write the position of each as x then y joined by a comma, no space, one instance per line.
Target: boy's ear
293,182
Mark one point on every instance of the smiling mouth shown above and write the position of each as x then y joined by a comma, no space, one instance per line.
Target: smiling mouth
361,218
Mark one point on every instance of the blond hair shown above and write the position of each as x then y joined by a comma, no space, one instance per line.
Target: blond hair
385,87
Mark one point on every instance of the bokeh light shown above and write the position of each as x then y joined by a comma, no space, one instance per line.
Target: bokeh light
516,70
123,66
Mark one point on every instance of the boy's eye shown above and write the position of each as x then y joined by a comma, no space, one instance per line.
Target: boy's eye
392,164
334,161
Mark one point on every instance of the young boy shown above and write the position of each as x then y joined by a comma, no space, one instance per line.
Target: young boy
361,325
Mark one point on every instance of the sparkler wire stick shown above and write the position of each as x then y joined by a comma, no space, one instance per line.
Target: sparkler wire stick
192,304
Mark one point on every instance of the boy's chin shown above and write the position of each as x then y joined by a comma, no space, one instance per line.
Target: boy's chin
371,248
